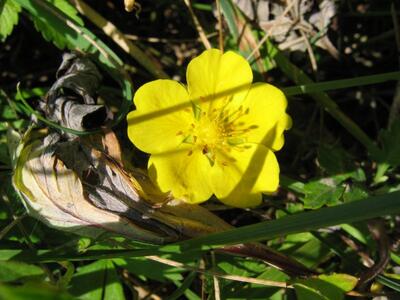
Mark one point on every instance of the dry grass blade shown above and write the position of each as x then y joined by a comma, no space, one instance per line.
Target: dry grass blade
198,26
176,264
220,31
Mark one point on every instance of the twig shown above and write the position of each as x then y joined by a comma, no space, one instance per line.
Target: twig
310,51
199,29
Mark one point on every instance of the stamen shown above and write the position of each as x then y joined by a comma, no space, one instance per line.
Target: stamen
205,149
236,141
189,139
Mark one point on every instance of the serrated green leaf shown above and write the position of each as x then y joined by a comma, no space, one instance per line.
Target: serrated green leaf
7,113
326,191
390,143
9,11
14,270
49,31
354,192
334,160
389,154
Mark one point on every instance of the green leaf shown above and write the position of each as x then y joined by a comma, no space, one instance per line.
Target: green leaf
389,153
311,253
235,290
332,190
49,31
4,157
344,282
326,191
355,192
291,184
183,287
13,270
33,291
355,232
239,266
97,281
334,160
327,287
9,11
150,269
305,292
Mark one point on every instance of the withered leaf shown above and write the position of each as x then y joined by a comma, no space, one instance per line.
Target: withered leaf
71,101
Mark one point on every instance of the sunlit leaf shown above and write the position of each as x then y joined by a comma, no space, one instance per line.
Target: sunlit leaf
9,13
49,31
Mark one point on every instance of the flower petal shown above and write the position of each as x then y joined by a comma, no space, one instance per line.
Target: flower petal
184,172
238,177
266,116
162,113
214,72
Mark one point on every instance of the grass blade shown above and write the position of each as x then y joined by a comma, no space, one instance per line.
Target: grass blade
356,211
340,84
306,221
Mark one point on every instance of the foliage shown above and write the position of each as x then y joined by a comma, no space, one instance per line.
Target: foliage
9,11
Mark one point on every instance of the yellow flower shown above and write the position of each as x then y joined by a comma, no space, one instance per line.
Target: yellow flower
214,136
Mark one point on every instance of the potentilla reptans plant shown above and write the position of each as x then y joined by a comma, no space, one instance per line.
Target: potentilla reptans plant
214,136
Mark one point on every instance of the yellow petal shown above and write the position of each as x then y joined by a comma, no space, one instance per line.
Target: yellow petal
162,114
265,107
214,74
240,175
184,172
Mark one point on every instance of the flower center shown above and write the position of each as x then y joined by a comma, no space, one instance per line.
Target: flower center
218,130
208,132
